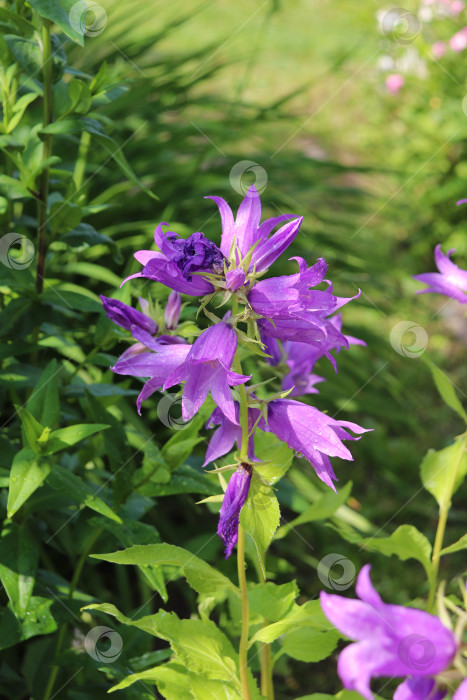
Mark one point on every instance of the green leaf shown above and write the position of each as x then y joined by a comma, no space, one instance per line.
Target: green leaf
310,645
75,488
66,14
27,53
115,152
184,480
43,404
323,508
446,389
7,15
18,565
38,621
443,471
276,455
86,236
272,601
456,546
180,446
200,575
65,437
32,429
19,109
64,217
260,514
28,472
131,532
406,543
307,615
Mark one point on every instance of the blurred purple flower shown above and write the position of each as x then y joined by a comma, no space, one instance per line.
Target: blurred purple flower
228,433
461,692
246,231
451,281
391,640
172,311
234,498
315,435
419,688
207,368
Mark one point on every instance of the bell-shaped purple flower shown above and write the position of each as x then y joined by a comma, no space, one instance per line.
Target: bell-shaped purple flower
419,688
461,692
207,368
246,231
172,311
312,433
154,365
234,498
451,281
178,261
126,317
391,640
228,433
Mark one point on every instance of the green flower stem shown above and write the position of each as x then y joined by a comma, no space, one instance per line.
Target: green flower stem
46,153
440,530
243,649
267,686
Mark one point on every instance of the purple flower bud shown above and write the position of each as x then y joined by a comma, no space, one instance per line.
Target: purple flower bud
125,317
172,311
234,279
391,640
234,498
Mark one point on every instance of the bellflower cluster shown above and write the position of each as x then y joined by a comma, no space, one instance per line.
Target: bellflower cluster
390,640
290,320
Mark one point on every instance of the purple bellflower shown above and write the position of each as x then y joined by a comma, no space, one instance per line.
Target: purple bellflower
207,368
234,498
390,640
155,365
178,261
239,235
228,433
451,281
312,433
461,692
172,311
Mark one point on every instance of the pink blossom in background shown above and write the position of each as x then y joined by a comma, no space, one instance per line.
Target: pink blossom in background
394,82
438,49
456,7
458,42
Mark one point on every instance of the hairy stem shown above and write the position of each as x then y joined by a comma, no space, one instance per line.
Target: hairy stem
46,153
243,648
267,687
442,521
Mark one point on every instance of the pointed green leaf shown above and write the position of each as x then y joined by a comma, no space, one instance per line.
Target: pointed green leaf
446,389
456,546
307,615
69,15
272,601
310,645
18,565
65,437
200,575
443,471
323,508
32,429
276,455
78,490
260,514
406,543
43,403
28,472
